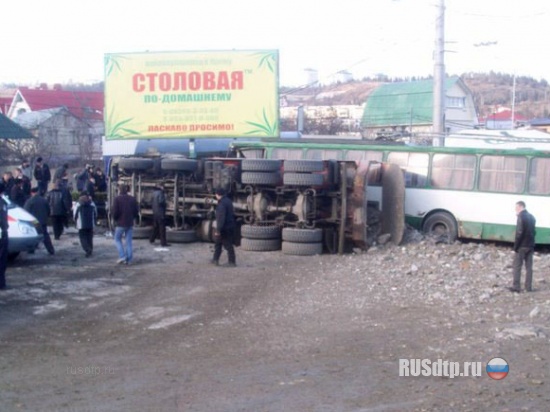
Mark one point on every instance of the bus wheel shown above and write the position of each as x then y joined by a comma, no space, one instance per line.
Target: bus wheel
442,226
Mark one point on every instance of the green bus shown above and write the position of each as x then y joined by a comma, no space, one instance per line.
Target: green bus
454,192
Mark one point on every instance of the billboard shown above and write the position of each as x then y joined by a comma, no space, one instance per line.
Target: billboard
198,94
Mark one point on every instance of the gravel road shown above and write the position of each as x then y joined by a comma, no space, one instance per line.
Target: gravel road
277,333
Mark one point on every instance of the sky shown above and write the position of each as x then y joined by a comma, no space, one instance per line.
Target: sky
62,41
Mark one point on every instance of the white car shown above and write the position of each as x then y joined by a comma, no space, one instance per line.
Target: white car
24,232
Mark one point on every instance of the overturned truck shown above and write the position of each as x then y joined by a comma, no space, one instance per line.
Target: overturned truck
302,207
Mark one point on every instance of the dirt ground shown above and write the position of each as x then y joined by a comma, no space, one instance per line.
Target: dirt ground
277,333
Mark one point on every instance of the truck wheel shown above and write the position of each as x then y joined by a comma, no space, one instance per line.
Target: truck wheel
260,232
179,165
181,236
302,235
142,232
259,178
304,166
302,249
260,245
135,163
12,256
303,179
261,165
442,225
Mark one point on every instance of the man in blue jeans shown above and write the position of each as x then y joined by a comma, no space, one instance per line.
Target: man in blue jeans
124,211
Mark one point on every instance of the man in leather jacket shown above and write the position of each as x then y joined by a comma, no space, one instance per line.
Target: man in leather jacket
524,247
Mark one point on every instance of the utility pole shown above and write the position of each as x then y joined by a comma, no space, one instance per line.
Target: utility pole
439,77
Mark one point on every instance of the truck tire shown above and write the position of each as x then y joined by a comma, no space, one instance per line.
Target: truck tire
302,249
179,165
302,235
303,179
304,166
261,178
181,236
260,232
135,163
260,245
261,165
441,225
142,232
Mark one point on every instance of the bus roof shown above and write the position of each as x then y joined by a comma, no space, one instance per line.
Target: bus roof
341,144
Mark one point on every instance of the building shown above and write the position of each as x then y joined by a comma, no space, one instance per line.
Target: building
68,124
61,136
504,119
394,110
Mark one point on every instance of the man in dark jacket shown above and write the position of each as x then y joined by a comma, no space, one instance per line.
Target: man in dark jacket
524,247
159,216
100,180
60,206
17,195
3,238
85,216
42,175
225,229
61,175
40,209
124,211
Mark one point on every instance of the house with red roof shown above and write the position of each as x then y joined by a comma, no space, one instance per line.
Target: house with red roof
504,119
69,124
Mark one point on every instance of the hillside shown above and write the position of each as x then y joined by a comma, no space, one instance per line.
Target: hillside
490,90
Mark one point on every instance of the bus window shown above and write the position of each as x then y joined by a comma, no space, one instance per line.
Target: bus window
539,176
502,174
354,155
453,171
414,165
286,154
322,154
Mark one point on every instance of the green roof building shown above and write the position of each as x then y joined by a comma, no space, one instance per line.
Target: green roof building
405,108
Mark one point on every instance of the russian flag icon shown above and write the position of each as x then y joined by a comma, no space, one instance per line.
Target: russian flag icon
497,369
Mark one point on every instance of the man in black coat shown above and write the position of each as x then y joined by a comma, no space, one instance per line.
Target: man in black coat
40,209
42,175
159,216
225,229
60,202
524,246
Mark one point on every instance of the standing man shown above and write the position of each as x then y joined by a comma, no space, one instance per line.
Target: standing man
524,247
225,229
61,175
159,216
26,169
40,209
17,195
42,175
85,216
60,207
3,238
125,210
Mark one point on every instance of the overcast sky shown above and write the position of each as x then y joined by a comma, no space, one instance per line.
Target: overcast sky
65,40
